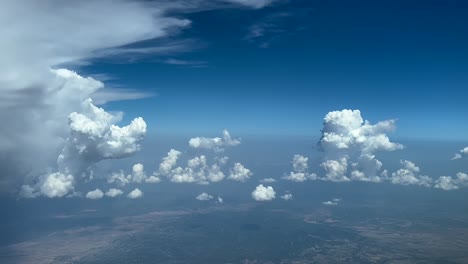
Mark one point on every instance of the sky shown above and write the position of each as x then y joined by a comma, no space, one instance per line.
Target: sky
87,84
280,68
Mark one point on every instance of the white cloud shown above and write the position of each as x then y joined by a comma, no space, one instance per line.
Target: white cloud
204,197
52,185
252,3
300,170
216,144
463,153
448,183
36,101
114,192
262,193
409,175
331,203
335,170
95,195
268,180
348,143
94,137
169,161
220,200
239,173
136,193
287,196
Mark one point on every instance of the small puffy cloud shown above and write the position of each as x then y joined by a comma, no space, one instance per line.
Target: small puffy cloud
287,196
204,197
220,200
239,173
268,180
95,195
300,176
52,185
300,170
448,183
114,192
262,193
153,179
299,163
216,144
198,171
463,153
331,203
138,173
169,161
409,175
136,193
335,170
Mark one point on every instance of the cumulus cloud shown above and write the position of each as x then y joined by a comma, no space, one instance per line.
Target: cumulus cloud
463,153
204,197
239,173
136,193
262,193
198,171
95,195
348,144
448,183
300,170
95,137
169,161
36,101
51,185
409,175
268,180
331,203
286,196
138,175
220,200
216,144
114,192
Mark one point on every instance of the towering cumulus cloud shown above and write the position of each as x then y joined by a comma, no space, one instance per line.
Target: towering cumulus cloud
349,143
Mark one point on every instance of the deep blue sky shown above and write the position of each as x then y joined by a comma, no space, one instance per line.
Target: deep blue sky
390,59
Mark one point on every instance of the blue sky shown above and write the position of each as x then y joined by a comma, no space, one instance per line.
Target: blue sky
280,69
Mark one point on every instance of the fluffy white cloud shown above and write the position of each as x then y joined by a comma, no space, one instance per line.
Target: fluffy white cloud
300,170
348,143
262,193
216,144
409,175
136,193
220,200
94,137
138,175
287,196
51,185
463,153
95,195
448,183
239,173
204,197
114,192
169,161
268,180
